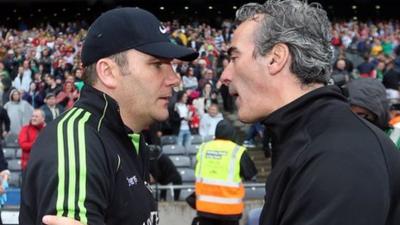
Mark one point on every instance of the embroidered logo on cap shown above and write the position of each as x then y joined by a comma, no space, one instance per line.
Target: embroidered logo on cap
163,30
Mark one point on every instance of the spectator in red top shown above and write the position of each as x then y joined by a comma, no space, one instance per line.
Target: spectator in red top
28,135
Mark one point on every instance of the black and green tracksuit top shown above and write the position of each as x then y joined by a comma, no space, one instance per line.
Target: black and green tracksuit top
84,166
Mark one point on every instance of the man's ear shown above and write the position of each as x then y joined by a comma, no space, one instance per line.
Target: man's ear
107,72
278,57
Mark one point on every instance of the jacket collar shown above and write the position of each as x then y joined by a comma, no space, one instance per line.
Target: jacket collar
103,107
282,123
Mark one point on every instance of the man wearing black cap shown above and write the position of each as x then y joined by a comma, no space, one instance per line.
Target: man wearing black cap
91,163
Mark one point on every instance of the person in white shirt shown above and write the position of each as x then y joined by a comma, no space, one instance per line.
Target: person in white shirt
209,121
184,135
22,80
190,81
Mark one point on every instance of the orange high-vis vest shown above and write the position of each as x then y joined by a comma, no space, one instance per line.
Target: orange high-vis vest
219,188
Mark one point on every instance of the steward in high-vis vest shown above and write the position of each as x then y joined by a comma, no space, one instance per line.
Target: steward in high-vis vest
221,165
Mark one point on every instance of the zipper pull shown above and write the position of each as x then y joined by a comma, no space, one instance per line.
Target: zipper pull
148,186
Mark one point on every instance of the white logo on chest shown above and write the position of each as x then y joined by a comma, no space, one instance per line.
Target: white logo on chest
132,181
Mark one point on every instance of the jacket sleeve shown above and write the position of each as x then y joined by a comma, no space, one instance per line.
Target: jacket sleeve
56,185
247,168
5,118
24,141
3,161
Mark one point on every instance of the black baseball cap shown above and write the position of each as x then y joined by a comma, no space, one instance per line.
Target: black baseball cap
121,29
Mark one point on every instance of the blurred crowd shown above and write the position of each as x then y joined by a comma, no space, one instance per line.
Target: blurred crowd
40,67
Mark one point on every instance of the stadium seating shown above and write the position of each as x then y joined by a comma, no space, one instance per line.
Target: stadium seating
187,175
173,150
192,149
11,140
181,161
254,193
9,153
18,154
168,140
14,165
196,139
185,192
15,179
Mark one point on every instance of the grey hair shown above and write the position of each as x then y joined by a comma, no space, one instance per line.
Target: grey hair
121,59
303,27
41,112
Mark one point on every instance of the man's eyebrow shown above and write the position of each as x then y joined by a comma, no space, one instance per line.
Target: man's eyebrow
233,50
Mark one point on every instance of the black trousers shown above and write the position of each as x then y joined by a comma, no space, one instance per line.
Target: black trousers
210,221
177,192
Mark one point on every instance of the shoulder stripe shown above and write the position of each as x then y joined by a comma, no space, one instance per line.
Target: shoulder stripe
72,163
71,146
61,164
82,168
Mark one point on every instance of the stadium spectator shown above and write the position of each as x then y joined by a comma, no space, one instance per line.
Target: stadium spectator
340,75
51,84
23,80
28,135
190,81
67,97
367,98
19,111
4,123
181,107
34,96
51,109
209,121
366,69
391,79
254,131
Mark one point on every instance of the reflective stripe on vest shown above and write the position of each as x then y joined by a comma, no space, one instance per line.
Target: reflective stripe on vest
219,189
209,198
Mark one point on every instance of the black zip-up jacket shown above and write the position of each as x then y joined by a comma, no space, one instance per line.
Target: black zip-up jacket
84,165
329,166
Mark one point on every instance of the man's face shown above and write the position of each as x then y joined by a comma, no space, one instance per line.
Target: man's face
213,110
247,75
78,73
51,101
37,118
145,90
364,113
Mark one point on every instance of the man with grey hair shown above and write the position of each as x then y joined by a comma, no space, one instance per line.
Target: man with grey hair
28,134
328,165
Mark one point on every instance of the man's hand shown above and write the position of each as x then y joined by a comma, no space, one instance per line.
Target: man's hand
57,220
